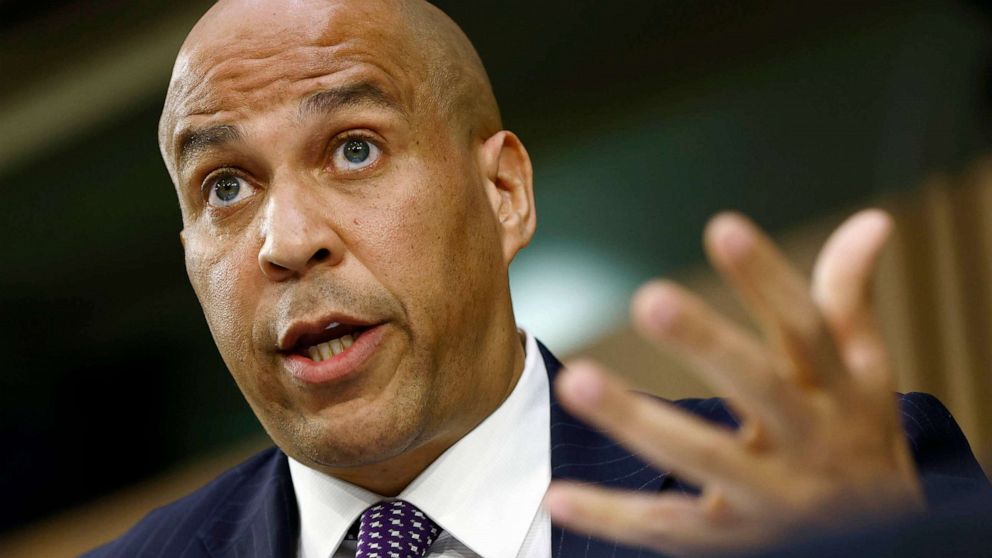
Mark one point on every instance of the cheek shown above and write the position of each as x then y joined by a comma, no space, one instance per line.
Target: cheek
430,241
221,276
401,230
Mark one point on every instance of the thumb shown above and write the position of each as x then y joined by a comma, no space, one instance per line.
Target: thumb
842,289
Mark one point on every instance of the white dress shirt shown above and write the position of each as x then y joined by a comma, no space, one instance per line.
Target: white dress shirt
485,491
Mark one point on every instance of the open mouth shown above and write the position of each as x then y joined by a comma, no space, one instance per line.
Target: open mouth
333,340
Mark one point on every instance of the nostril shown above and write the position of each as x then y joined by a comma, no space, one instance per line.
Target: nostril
321,255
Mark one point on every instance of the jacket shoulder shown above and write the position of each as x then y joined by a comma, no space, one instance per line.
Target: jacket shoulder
175,528
943,456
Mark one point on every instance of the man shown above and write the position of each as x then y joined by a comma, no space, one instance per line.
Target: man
351,206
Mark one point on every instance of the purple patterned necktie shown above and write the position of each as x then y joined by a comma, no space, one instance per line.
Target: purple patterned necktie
395,529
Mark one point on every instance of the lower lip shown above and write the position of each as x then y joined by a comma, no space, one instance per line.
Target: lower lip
339,366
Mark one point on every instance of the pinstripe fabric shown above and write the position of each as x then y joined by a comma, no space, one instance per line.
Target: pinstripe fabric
584,454
250,511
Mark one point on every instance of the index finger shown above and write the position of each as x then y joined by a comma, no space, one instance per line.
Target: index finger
691,447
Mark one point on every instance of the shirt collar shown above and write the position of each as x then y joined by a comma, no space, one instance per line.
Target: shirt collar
496,474
328,506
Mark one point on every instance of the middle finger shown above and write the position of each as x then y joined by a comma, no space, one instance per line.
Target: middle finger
778,296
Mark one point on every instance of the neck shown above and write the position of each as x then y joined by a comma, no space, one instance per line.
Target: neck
391,476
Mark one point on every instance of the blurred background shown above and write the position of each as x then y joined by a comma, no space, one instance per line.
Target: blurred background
643,117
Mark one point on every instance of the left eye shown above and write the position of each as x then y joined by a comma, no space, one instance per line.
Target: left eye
355,154
227,190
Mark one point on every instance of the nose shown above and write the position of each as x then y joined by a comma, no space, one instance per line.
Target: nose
298,231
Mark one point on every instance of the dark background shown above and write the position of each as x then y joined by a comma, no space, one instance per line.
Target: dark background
643,117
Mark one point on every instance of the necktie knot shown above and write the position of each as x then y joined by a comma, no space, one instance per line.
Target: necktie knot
395,529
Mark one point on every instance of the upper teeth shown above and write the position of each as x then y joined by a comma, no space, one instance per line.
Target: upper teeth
326,350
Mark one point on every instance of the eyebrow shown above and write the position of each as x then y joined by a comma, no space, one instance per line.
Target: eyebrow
357,94
194,142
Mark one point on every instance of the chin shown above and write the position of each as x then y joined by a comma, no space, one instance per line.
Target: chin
343,438
348,454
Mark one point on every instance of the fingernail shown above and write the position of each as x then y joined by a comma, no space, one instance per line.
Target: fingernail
656,305
876,219
665,311
557,505
583,384
736,243
732,236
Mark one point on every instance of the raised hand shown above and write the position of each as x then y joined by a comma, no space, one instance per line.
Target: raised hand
820,440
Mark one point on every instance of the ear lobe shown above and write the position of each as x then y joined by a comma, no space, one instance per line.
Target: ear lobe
509,184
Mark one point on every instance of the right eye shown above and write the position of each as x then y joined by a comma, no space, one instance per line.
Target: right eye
227,190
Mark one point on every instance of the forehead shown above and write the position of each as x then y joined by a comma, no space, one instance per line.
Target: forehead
241,59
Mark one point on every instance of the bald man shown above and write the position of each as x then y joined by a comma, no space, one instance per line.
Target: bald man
351,206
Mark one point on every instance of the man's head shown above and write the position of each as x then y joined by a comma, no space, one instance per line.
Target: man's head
342,174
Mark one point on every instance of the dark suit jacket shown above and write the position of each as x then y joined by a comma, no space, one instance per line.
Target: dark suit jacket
250,511
960,529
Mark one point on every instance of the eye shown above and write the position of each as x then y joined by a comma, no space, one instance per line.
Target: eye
355,154
227,190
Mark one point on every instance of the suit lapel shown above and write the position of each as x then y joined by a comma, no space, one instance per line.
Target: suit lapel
259,518
582,453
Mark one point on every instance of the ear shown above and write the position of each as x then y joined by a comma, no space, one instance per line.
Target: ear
509,183
182,238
